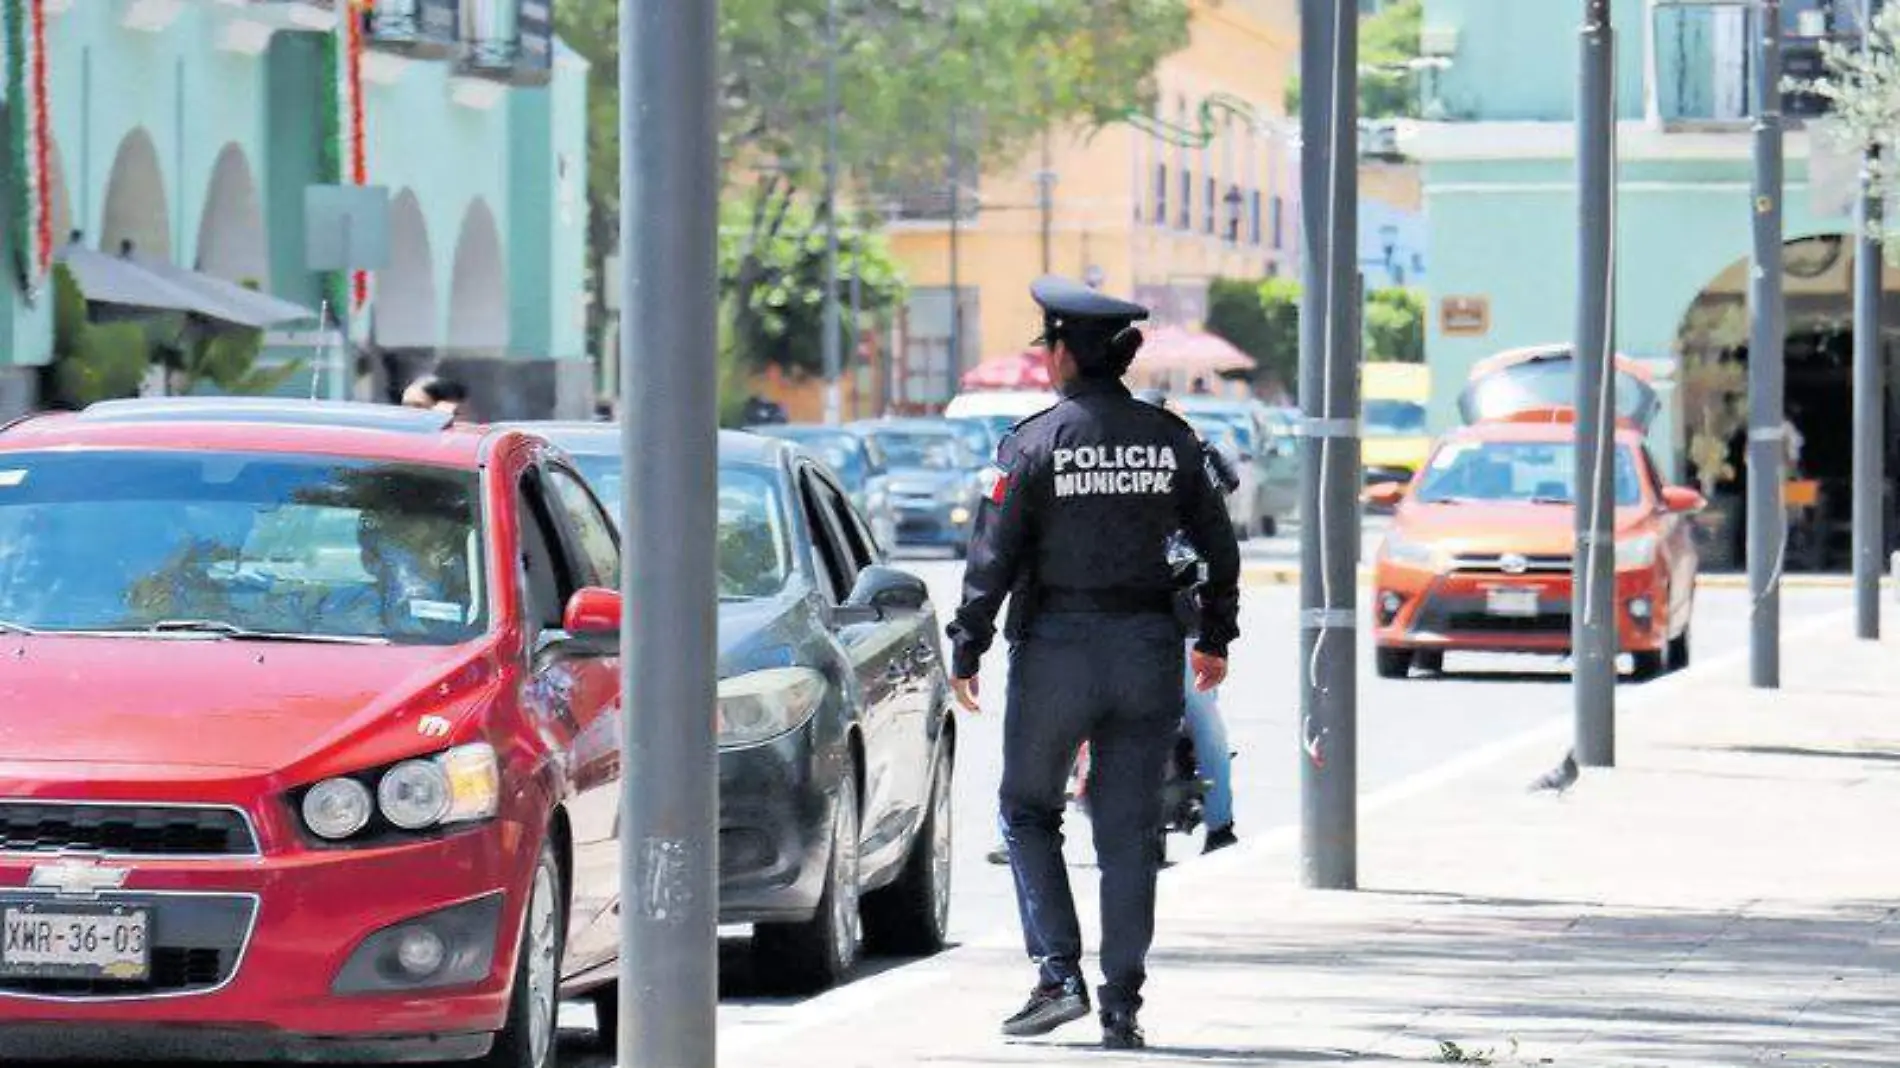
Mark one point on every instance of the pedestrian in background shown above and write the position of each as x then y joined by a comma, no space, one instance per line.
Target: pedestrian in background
1074,530
439,394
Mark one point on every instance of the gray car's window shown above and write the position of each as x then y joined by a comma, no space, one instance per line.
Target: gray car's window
827,555
933,452
754,559
595,537
858,547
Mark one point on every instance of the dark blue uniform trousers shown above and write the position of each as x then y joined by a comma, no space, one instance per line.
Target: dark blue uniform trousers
1116,682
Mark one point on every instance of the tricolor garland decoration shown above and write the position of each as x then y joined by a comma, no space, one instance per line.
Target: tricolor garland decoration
345,158
29,145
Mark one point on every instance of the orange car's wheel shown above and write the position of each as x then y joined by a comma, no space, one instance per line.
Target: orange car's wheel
1392,663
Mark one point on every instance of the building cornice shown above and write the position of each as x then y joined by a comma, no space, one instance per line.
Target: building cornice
1636,140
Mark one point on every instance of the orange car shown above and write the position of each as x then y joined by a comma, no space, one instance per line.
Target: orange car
1479,555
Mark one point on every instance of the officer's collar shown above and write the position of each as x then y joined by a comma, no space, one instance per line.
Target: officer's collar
1082,386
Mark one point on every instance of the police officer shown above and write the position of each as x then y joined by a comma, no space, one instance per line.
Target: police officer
1074,530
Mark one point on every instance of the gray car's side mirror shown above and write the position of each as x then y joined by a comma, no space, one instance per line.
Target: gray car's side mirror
881,592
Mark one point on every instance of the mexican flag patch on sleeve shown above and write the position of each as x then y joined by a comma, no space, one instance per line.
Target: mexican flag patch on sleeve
995,483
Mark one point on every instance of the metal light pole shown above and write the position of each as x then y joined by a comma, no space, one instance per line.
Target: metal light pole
669,180
1870,392
834,364
1767,520
1593,571
1329,474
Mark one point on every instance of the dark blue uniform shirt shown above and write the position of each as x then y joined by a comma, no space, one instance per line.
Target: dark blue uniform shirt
1080,509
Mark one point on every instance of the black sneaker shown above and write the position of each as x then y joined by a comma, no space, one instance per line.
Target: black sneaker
1120,1031
999,856
1220,839
1049,1007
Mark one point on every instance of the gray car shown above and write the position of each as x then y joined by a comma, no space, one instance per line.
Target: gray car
858,463
934,476
1268,445
836,744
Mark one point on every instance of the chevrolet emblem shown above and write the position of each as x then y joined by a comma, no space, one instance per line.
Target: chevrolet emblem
77,878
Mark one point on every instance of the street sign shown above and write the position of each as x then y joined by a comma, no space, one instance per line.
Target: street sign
346,227
1468,316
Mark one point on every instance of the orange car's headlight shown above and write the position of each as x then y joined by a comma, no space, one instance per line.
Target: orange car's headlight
1635,553
1412,553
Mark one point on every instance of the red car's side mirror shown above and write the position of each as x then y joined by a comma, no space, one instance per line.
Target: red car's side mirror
1683,500
593,613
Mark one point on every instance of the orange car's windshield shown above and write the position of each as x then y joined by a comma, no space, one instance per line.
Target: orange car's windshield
1525,472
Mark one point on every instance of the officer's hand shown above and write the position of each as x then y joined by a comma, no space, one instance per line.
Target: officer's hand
1209,670
966,691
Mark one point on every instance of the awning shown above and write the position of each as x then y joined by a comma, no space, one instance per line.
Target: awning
244,307
1028,369
137,281
1172,348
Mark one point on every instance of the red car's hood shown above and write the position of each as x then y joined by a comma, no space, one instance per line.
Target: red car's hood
1532,529
195,703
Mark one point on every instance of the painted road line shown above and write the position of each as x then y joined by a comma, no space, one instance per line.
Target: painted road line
858,997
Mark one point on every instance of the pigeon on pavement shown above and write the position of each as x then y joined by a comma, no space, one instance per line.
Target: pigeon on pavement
1560,778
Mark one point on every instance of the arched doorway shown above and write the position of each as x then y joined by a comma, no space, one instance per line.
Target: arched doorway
478,293
136,207
1712,343
232,243
407,311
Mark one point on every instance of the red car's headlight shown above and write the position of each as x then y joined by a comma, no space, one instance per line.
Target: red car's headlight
459,785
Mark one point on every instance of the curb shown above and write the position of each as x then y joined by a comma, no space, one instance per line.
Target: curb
1289,575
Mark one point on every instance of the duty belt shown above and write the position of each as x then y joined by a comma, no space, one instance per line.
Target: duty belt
1113,600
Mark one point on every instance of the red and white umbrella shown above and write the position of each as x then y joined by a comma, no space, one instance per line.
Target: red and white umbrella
1028,369
1173,348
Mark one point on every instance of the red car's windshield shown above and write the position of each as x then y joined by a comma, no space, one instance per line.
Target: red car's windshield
253,543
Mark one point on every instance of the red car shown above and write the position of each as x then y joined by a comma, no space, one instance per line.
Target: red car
308,736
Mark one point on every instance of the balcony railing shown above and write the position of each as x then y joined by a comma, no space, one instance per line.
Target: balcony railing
423,29
508,40
1702,61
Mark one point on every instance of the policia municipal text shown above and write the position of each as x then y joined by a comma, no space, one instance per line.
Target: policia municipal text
1074,530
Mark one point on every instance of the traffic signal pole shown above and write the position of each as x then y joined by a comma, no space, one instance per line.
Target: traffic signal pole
1767,440
1870,393
1593,569
669,782
1329,475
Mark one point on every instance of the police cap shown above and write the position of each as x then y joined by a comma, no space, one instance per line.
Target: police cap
1099,328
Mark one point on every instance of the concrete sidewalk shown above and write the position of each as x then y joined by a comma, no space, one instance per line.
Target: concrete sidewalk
1727,896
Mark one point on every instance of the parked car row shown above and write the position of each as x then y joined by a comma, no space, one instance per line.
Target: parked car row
314,710
917,480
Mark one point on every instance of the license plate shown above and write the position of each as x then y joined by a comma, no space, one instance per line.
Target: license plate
1516,603
75,942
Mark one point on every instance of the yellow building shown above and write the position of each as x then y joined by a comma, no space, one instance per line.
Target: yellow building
1132,210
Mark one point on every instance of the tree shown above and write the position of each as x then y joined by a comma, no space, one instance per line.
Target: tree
1236,312
779,318
1862,88
1280,305
1001,71
1395,326
1388,43
93,361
